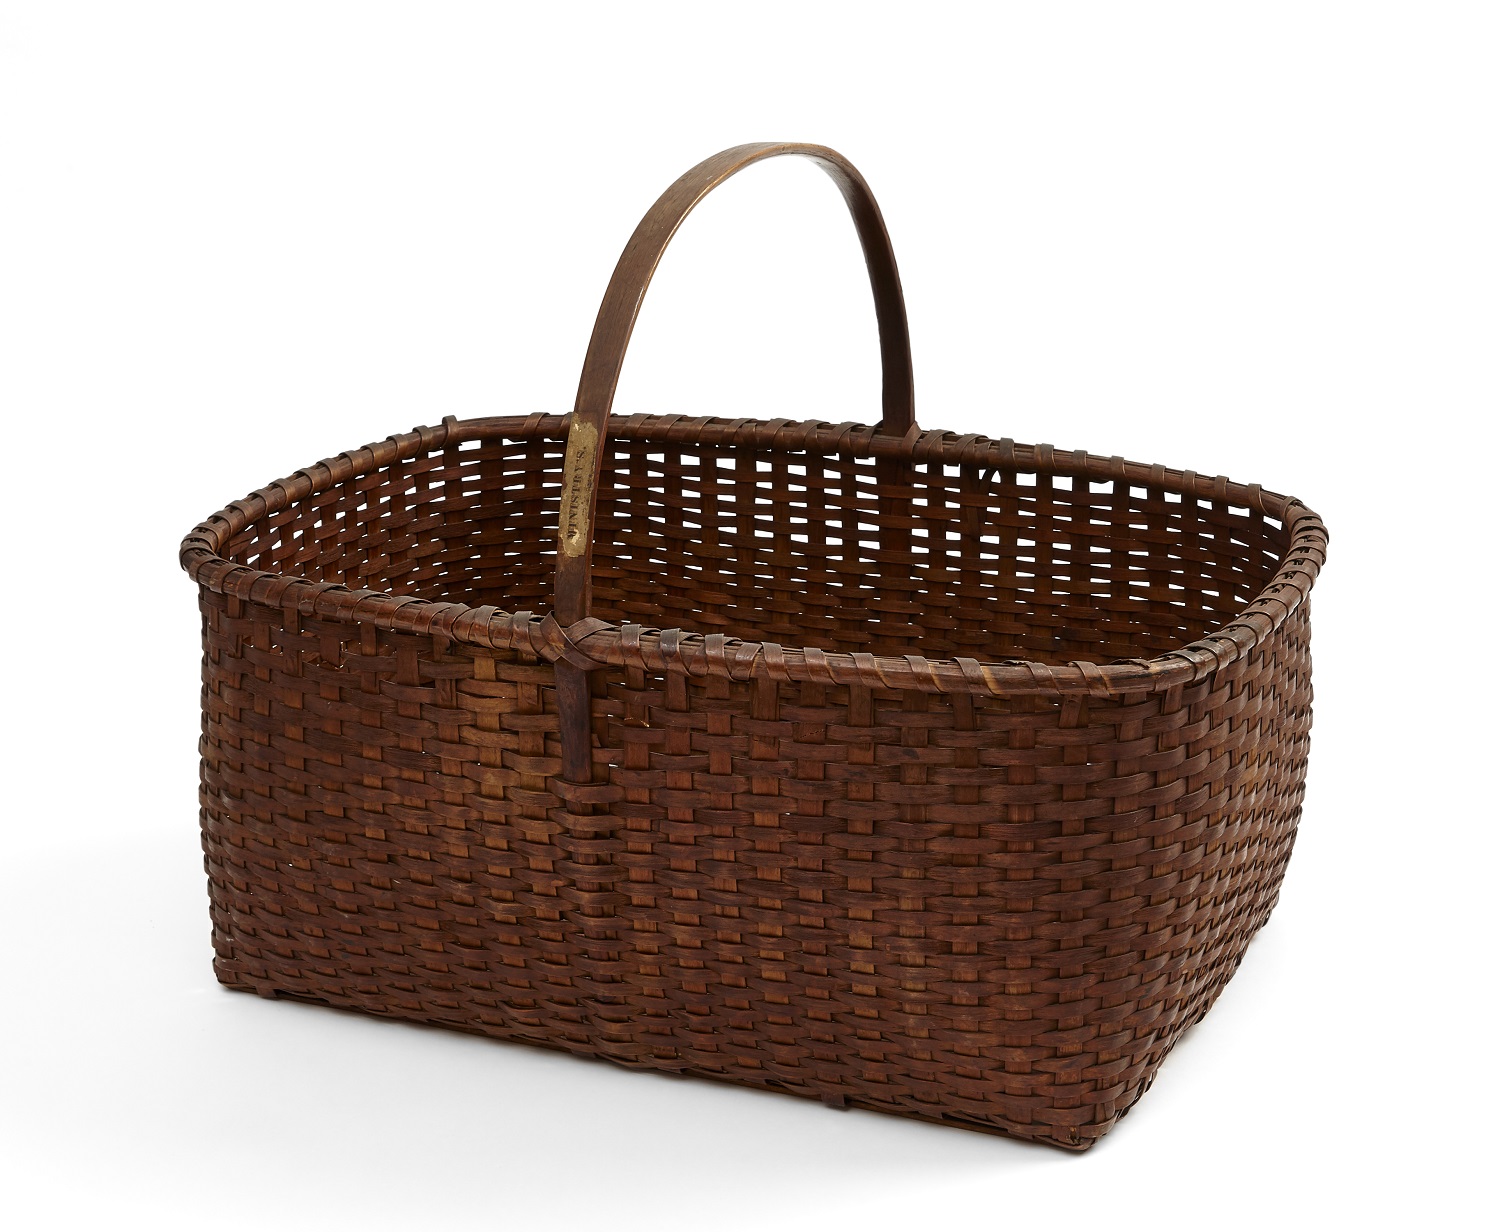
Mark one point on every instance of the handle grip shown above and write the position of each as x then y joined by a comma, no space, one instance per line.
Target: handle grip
622,304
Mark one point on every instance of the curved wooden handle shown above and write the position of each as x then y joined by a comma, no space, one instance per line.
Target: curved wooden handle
622,304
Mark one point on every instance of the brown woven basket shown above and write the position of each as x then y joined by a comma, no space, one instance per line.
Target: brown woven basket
934,774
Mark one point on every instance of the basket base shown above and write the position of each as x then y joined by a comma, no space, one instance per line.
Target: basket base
1072,1139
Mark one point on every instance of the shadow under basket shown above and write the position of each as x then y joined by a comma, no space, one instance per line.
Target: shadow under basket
927,773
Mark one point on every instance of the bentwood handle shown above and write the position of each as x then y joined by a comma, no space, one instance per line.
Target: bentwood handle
622,304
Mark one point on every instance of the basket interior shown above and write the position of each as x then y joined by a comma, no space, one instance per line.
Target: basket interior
828,550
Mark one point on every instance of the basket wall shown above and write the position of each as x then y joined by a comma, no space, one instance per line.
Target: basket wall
992,911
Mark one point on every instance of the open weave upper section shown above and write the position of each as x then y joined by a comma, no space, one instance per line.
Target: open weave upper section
807,536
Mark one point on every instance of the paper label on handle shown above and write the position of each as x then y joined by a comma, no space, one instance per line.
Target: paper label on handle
578,476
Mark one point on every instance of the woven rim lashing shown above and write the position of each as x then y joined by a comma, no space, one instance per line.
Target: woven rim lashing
595,643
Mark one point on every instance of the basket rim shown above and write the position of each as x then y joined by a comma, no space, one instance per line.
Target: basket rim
597,644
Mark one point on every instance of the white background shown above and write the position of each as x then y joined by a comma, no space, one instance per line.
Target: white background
1251,239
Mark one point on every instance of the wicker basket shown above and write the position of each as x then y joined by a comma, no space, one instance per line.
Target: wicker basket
934,774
